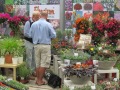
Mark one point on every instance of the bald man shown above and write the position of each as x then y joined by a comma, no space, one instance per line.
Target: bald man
28,42
42,32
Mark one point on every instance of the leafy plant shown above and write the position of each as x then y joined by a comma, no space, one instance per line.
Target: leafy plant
79,70
10,45
69,54
23,70
16,85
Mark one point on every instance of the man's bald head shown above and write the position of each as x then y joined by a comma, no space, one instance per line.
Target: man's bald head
44,14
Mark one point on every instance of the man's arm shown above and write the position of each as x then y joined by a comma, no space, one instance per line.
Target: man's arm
26,29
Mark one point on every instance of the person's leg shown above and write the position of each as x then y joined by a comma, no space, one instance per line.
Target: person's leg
45,62
41,72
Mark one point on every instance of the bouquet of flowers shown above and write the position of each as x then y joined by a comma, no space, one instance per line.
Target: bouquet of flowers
81,25
4,17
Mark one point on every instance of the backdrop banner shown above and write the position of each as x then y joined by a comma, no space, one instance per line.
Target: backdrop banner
53,10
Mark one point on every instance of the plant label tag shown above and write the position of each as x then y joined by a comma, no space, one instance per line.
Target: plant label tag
76,54
78,63
115,79
93,87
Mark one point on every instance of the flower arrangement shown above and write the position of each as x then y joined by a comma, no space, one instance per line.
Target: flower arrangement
4,17
113,30
80,70
104,28
23,19
14,24
81,25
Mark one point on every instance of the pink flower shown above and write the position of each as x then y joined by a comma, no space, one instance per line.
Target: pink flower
98,6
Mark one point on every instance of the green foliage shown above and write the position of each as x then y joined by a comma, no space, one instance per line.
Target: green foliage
69,54
10,45
2,78
23,70
4,88
16,85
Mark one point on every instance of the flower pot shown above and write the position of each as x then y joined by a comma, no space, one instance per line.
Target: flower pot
20,60
15,60
2,60
80,80
106,65
8,58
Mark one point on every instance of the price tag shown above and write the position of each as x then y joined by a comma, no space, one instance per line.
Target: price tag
115,79
78,63
75,54
93,87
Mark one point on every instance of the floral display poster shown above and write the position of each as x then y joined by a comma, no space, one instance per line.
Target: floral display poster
20,10
55,23
68,5
117,5
117,15
9,8
34,2
9,1
21,2
53,10
2,5
43,1
111,13
53,1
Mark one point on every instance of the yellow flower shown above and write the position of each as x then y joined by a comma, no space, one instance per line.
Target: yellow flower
91,49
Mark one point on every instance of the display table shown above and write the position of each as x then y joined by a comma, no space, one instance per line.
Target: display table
113,70
13,66
69,84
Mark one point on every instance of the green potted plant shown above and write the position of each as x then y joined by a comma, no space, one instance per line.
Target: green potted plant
23,72
74,55
106,56
80,73
9,47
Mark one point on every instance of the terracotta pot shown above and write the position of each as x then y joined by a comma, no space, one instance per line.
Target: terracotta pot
8,58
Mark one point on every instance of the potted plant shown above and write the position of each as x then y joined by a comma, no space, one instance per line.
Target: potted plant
80,73
9,47
106,56
23,72
74,55
2,59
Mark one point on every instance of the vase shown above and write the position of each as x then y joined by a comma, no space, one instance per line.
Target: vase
80,80
106,65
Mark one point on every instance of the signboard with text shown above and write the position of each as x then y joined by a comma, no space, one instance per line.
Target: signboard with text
52,10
